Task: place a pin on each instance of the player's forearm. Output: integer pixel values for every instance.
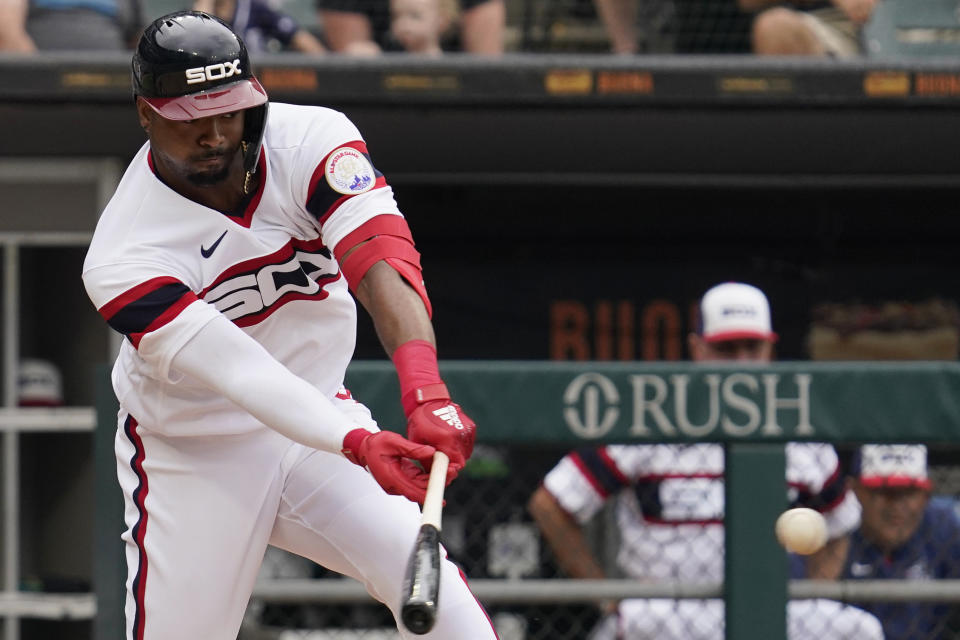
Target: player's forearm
(398, 313)
(827, 564)
(564, 536)
(225, 359)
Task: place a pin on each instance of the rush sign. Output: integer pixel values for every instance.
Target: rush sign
(735, 404)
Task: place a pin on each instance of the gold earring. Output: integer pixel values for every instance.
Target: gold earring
(246, 178)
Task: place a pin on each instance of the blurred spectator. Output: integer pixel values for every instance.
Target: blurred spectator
(262, 26)
(904, 535)
(619, 17)
(669, 502)
(31, 25)
(809, 28)
(39, 384)
(926, 329)
(418, 25)
(362, 27)
(674, 26)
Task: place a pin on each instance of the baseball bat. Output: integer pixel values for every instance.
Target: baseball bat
(421, 582)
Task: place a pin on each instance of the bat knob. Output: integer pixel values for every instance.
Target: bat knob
(418, 618)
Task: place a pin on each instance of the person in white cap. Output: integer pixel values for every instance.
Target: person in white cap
(39, 384)
(669, 504)
(734, 325)
(905, 534)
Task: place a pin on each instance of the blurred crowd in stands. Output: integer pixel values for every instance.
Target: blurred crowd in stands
(481, 27)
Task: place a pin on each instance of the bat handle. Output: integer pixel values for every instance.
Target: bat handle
(433, 502)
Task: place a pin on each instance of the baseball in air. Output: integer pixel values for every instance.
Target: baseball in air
(801, 530)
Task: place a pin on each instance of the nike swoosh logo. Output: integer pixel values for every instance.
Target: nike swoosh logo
(206, 253)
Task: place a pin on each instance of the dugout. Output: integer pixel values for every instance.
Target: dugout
(568, 207)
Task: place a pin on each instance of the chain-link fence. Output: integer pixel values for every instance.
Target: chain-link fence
(488, 530)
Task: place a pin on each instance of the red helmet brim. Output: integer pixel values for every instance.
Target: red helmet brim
(235, 96)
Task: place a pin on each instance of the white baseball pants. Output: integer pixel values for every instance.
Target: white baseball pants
(200, 512)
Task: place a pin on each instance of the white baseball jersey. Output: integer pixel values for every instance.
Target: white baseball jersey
(161, 266)
(670, 501)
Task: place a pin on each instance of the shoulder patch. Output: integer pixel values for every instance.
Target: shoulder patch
(349, 172)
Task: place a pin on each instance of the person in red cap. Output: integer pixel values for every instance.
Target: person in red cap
(894, 490)
(905, 534)
(734, 325)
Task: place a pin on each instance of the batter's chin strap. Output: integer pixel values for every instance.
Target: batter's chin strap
(385, 237)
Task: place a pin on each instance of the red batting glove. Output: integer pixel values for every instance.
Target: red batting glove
(438, 421)
(432, 418)
(387, 456)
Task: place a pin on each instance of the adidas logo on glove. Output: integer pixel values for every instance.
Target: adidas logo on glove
(449, 415)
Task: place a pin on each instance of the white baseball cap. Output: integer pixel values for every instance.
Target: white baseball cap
(893, 465)
(39, 384)
(734, 311)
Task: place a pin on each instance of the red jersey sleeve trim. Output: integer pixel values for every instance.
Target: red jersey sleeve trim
(172, 312)
(139, 291)
(147, 307)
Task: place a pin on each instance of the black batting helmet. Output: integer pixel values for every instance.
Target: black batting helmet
(189, 65)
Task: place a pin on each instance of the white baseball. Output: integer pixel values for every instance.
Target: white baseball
(801, 530)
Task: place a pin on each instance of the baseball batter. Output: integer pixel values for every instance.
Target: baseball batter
(670, 504)
(226, 258)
